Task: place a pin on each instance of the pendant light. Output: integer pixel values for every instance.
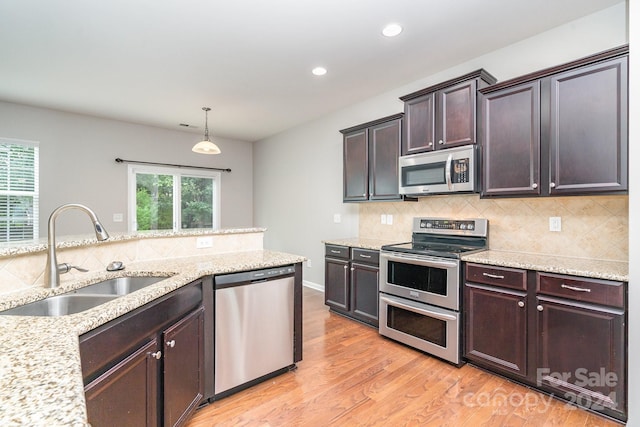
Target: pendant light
(206, 146)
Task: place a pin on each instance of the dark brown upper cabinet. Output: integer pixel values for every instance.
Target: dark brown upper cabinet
(559, 131)
(370, 160)
(444, 115)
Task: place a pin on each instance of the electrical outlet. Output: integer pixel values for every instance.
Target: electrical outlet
(555, 223)
(118, 217)
(204, 242)
(383, 219)
(309, 263)
(337, 218)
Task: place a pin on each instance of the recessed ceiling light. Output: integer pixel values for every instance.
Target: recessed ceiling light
(319, 71)
(392, 30)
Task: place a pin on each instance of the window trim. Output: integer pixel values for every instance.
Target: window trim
(36, 184)
(177, 173)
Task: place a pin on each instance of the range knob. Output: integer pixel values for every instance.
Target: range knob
(471, 226)
(463, 226)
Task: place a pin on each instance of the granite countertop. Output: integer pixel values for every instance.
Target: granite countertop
(597, 269)
(356, 242)
(40, 371)
(40, 245)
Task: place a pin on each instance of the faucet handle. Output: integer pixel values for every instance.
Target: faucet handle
(65, 268)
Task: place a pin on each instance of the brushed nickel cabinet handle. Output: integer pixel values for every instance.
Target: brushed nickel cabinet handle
(575, 288)
(157, 355)
(520, 303)
(171, 343)
(493, 276)
(540, 308)
(535, 185)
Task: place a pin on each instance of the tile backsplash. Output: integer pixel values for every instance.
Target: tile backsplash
(592, 226)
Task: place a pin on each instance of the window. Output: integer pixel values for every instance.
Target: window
(19, 190)
(170, 199)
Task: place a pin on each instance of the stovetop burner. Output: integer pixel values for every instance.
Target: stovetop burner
(444, 237)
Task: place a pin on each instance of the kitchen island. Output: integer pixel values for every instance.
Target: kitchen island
(40, 368)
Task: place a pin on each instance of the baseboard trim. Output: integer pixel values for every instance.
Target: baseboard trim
(313, 285)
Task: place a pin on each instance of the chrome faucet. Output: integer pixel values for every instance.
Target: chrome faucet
(53, 269)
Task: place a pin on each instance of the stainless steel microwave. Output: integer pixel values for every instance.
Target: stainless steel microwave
(444, 171)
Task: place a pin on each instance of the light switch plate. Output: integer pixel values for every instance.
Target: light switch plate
(555, 223)
(389, 219)
(337, 218)
(118, 217)
(383, 219)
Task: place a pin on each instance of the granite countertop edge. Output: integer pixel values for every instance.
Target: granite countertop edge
(40, 371)
(584, 267)
(40, 245)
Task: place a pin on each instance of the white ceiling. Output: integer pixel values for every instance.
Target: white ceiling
(157, 62)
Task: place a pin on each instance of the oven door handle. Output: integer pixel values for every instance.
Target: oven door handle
(420, 261)
(395, 302)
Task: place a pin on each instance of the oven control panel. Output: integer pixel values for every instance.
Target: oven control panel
(445, 224)
(475, 227)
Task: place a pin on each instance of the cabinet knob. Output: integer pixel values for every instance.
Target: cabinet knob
(353, 269)
(552, 184)
(441, 142)
(157, 355)
(535, 185)
(430, 144)
(520, 303)
(540, 308)
(345, 267)
(171, 343)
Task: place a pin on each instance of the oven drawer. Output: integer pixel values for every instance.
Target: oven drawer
(335, 251)
(605, 292)
(497, 276)
(365, 256)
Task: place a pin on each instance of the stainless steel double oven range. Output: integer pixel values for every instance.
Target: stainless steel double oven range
(420, 284)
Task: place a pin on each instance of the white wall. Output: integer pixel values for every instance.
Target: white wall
(634, 215)
(77, 164)
(298, 174)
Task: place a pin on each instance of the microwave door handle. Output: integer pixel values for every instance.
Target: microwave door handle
(394, 302)
(447, 171)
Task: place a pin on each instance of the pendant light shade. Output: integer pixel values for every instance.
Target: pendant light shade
(206, 146)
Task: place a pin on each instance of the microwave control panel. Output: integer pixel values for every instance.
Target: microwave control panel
(460, 171)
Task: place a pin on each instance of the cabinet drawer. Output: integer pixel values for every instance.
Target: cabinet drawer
(596, 291)
(335, 251)
(366, 256)
(498, 276)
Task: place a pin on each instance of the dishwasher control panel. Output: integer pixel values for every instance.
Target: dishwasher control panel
(254, 275)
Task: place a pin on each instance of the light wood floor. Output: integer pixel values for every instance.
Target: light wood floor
(351, 376)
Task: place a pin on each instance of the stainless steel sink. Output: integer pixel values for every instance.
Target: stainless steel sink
(60, 305)
(120, 285)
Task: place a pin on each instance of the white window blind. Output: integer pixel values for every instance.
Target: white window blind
(19, 190)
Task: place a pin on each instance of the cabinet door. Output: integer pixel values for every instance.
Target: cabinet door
(496, 328)
(588, 129)
(127, 394)
(419, 120)
(356, 169)
(384, 149)
(581, 353)
(336, 284)
(511, 141)
(456, 119)
(183, 368)
(364, 292)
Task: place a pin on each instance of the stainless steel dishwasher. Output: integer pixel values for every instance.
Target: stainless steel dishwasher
(253, 327)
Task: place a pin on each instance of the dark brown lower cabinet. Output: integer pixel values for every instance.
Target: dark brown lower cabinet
(351, 282)
(146, 368)
(565, 335)
(127, 394)
(497, 328)
(581, 354)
